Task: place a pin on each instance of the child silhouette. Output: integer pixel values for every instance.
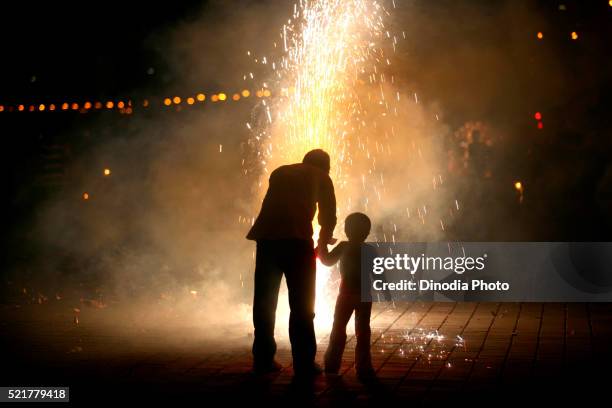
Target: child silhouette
(357, 227)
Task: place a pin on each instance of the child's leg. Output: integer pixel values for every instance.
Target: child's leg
(363, 357)
(337, 338)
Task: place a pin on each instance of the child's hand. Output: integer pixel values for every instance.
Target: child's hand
(331, 241)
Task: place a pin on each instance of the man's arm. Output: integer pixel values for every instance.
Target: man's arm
(327, 210)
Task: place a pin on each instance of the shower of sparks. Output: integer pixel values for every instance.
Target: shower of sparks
(331, 56)
(331, 89)
(332, 48)
(430, 345)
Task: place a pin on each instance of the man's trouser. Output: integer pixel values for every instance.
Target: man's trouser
(296, 259)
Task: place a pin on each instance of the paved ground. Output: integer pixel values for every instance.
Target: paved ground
(424, 353)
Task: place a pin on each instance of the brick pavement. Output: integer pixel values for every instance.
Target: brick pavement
(424, 354)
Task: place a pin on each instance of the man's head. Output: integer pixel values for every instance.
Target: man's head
(317, 158)
(357, 227)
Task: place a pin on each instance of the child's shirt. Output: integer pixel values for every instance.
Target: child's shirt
(349, 254)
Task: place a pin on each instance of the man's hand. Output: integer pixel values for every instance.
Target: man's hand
(324, 242)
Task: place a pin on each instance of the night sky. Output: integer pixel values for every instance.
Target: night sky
(66, 49)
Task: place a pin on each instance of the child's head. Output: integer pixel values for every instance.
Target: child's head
(357, 227)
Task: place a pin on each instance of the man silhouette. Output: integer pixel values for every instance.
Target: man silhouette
(283, 231)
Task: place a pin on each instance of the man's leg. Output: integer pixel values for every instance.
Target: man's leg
(363, 357)
(267, 283)
(337, 338)
(300, 273)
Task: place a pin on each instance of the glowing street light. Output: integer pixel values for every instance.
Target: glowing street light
(518, 186)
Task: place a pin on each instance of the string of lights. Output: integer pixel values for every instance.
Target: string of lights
(127, 106)
(574, 36)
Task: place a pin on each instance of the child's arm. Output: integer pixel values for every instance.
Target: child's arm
(330, 258)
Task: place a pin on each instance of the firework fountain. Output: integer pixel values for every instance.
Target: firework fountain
(332, 87)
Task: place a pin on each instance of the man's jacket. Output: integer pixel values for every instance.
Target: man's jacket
(290, 204)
